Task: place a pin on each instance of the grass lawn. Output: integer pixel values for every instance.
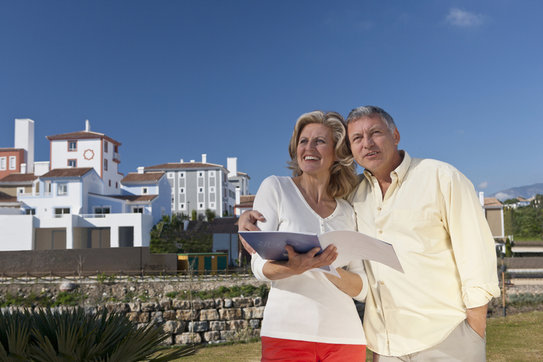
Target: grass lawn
(513, 338)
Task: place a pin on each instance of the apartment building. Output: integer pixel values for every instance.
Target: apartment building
(203, 186)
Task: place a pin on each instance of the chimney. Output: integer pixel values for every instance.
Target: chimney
(232, 166)
(192, 161)
(238, 195)
(204, 157)
(140, 169)
(87, 126)
(181, 161)
(24, 138)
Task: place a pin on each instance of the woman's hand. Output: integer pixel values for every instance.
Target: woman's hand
(298, 263)
(247, 222)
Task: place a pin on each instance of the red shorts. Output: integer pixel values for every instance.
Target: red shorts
(276, 349)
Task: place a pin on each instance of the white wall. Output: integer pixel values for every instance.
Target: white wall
(17, 232)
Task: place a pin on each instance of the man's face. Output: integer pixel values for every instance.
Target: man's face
(374, 146)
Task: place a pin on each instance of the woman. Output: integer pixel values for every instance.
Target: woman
(310, 315)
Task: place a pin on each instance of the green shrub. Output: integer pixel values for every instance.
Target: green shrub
(524, 299)
(245, 290)
(78, 336)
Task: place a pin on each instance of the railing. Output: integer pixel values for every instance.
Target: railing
(93, 215)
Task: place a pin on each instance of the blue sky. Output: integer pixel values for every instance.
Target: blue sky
(175, 79)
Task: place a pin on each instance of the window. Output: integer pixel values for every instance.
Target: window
(144, 190)
(30, 211)
(72, 162)
(72, 146)
(12, 162)
(201, 189)
(181, 190)
(20, 190)
(200, 174)
(181, 175)
(212, 189)
(59, 211)
(116, 185)
(170, 174)
(102, 210)
(137, 210)
(62, 189)
(105, 146)
(211, 205)
(105, 165)
(109, 183)
(182, 206)
(2, 163)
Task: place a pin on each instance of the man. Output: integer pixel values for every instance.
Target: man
(429, 211)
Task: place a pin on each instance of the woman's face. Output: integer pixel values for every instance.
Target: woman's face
(315, 151)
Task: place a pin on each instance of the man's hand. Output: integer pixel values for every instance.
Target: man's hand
(477, 319)
(247, 222)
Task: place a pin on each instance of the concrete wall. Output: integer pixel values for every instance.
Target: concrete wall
(89, 261)
(17, 232)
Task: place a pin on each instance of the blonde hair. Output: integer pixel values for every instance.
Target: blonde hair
(343, 178)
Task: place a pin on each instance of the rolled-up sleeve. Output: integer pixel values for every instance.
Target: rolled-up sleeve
(472, 242)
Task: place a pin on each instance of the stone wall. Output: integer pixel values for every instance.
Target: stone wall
(185, 320)
(198, 321)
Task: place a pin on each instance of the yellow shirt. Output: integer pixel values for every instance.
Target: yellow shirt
(435, 221)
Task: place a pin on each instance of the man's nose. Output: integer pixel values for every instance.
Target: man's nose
(368, 141)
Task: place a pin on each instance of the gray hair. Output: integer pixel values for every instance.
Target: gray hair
(369, 111)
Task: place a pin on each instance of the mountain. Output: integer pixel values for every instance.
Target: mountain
(522, 191)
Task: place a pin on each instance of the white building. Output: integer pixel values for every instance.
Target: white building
(88, 149)
(204, 186)
(70, 211)
(83, 201)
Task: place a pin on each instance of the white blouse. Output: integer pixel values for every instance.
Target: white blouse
(306, 307)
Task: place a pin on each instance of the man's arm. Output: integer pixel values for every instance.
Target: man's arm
(247, 222)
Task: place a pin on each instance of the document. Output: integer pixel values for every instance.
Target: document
(351, 245)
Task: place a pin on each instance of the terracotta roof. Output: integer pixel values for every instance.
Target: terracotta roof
(492, 202)
(243, 174)
(245, 201)
(11, 149)
(68, 172)
(135, 198)
(19, 178)
(140, 178)
(7, 198)
(81, 135)
(184, 165)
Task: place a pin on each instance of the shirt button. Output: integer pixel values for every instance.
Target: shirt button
(379, 209)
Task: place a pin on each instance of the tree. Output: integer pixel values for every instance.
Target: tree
(210, 215)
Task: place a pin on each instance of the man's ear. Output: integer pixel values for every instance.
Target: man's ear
(396, 135)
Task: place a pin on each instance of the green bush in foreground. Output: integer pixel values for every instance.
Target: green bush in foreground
(74, 335)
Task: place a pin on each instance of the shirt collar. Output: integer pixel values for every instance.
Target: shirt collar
(399, 172)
